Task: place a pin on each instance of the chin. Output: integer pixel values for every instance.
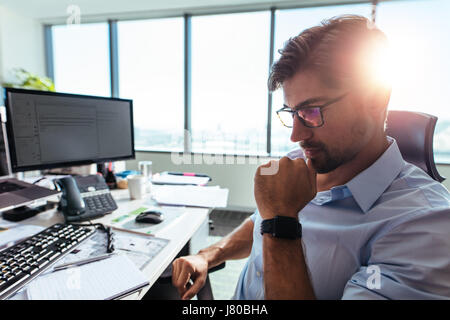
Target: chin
(324, 165)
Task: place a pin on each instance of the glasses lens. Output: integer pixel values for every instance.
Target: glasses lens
(311, 116)
(286, 118)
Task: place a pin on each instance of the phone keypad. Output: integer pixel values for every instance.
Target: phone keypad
(100, 203)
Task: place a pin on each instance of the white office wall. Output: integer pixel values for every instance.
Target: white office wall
(21, 44)
(238, 178)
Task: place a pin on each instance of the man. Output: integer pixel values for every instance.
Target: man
(373, 225)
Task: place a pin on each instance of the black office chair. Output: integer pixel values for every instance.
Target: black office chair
(414, 134)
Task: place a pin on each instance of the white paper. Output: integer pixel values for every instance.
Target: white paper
(127, 222)
(138, 248)
(100, 280)
(209, 197)
(14, 233)
(174, 179)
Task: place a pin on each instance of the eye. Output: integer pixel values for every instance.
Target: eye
(309, 113)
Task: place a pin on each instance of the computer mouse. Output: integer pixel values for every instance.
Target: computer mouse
(151, 216)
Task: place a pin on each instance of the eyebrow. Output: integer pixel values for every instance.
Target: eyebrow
(307, 102)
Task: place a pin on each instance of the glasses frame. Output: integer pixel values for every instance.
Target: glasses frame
(109, 234)
(303, 121)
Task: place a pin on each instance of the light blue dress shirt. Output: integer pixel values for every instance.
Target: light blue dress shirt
(383, 235)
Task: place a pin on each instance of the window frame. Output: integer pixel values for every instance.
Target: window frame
(114, 63)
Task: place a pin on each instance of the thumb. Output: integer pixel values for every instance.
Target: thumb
(193, 290)
(312, 173)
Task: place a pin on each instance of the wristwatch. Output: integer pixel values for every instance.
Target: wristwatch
(282, 227)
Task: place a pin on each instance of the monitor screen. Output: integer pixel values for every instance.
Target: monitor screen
(51, 130)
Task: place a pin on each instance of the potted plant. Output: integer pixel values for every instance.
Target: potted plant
(28, 80)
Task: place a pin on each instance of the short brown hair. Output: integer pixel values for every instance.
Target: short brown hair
(332, 48)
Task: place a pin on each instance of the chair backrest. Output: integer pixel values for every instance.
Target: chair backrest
(414, 134)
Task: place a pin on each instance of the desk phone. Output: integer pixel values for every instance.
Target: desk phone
(85, 198)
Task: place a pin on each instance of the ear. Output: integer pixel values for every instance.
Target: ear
(375, 101)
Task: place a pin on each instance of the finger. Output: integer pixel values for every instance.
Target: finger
(284, 159)
(193, 290)
(312, 173)
(299, 162)
(177, 268)
(182, 288)
(183, 278)
(174, 271)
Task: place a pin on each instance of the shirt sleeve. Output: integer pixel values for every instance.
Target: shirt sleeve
(253, 216)
(411, 261)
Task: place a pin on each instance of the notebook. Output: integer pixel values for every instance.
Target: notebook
(102, 280)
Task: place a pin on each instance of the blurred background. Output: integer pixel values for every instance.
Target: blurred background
(203, 65)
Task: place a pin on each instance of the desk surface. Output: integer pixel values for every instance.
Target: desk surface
(179, 232)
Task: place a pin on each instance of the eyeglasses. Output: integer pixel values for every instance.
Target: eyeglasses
(109, 237)
(310, 116)
(107, 230)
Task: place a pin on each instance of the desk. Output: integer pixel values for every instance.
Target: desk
(179, 233)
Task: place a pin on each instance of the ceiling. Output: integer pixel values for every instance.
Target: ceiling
(51, 11)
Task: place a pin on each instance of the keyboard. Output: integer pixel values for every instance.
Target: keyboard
(24, 261)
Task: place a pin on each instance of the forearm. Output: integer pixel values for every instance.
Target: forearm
(285, 272)
(236, 245)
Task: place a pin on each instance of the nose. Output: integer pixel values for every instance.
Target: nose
(300, 132)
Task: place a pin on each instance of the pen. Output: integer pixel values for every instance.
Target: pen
(189, 174)
(82, 262)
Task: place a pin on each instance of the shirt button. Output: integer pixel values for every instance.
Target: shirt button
(258, 274)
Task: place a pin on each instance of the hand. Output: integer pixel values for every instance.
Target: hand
(284, 187)
(184, 269)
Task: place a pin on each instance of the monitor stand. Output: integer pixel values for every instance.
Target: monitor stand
(25, 212)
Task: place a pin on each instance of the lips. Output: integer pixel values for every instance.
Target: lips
(311, 152)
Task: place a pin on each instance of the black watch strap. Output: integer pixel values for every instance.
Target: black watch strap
(282, 227)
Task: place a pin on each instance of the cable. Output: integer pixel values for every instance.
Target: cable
(40, 179)
(107, 230)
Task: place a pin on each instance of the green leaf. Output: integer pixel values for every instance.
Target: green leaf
(27, 80)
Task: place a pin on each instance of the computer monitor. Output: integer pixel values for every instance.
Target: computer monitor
(5, 170)
(52, 130)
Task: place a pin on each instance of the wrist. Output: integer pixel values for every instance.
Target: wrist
(282, 227)
(266, 214)
(212, 256)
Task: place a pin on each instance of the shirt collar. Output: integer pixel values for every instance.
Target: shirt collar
(370, 184)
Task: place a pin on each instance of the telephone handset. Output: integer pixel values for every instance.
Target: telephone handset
(85, 198)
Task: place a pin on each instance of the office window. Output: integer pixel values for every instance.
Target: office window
(288, 24)
(418, 34)
(81, 59)
(230, 63)
(151, 72)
